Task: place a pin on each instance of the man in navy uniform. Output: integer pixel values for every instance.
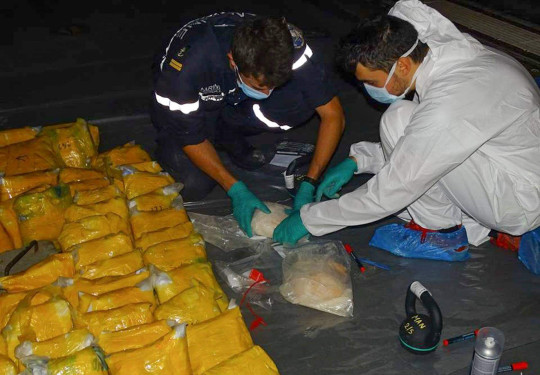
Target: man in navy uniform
(229, 75)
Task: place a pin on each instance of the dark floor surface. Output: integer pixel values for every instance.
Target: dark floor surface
(103, 75)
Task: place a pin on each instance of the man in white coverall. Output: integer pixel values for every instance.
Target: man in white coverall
(465, 151)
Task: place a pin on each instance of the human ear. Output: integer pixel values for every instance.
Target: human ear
(403, 67)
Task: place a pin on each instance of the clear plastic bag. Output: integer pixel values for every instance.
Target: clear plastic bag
(317, 275)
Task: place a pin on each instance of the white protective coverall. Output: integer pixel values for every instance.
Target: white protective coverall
(467, 150)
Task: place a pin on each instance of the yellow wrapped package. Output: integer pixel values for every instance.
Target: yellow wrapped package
(41, 215)
(102, 285)
(30, 156)
(8, 219)
(138, 183)
(173, 233)
(172, 254)
(89, 361)
(193, 305)
(216, 340)
(126, 154)
(134, 337)
(4, 153)
(141, 293)
(117, 266)
(11, 136)
(12, 186)
(253, 361)
(7, 367)
(73, 144)
(91, 228)
(116, 206)
(8, 304)
(158, 199)
(116, 319)
(3, 346)
(94, 130)
(40, 274)
(100, 249)
(59, 346)
(68, 175)
(144, 222)
(147, 166)
(167, 356)
(86, 197)
(5, 241)
(96, 183)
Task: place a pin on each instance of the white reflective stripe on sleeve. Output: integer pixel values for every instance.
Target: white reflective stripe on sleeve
(303, 59)
(173, 106)
(268, 122)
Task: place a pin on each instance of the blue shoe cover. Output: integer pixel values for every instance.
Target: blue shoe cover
(406, 242)
(529, 250)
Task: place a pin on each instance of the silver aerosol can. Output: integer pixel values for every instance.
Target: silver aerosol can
(487, 351)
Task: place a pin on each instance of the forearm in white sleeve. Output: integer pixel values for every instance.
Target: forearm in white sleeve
(369, 157)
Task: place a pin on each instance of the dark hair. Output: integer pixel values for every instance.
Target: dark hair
(377, 44)
(263, 48)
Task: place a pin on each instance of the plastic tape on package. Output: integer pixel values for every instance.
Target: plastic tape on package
(12, 186)
(89, 361)
(7, 367)
(116, 206)
(216, 340)
(97, 183)
(169, 284)
(253, 361)
(167, 356)
(30, 156)
(8, 220)
(173, 233)
(99, 286)
(11, 136)
(317, 275)
(126, 154)
(100, 249)
(116, 319)
(73, 143)
(117, 266)
(8, 304)
(86, 197)
(40, 274)
(134, 337)
(172, 254)
(138, 183)
(144, 222)
(68, 175)
(157, 200)
(56, 347)
(141, 293)
(193, 305)
(91, 228)
(41, 215)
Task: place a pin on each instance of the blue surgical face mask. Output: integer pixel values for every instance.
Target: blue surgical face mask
(382, 95)
(250, 91)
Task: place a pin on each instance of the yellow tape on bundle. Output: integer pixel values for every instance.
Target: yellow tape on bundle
(8, 304)
(117, 266)
(127, 154)
(157, 200)
(173, 233)
(141, 293)
(41, 215)
(169, 284)
(97, 183)
(172, 254)
(167, 356)
(89, 361)
(31, 156)
(193, 305)
(91, 228)
(12, 186)
(253, 361)
(68, 175)
(139, 183)
(41, 274)
(134, 337)
(100, 249)
(116, 319)
(144, 222)
(216, 340)
(86, 197)
(116, 206)
(11, 136)
(7, 367)
(56, 347)
(8, 219)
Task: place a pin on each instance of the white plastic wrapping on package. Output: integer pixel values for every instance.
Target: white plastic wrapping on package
(264, 224)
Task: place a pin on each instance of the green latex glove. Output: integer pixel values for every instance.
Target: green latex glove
(335, 178)
(244, 204)
(290, 230)
(304, 195)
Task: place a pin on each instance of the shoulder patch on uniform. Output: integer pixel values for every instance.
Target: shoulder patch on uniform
(181, 53)
(297, 36)
(175, 65)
